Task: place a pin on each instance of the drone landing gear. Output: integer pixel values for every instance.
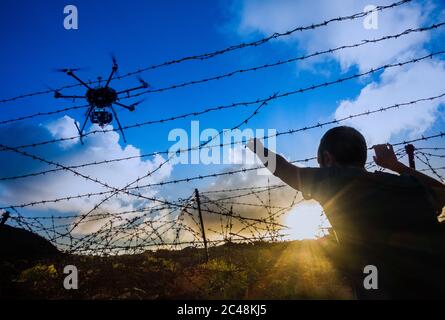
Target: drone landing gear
(101, 118)
(118, 123)
(90, 109)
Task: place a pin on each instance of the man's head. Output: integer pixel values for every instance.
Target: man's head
(342, 146)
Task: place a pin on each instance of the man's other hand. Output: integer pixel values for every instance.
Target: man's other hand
(386, 158)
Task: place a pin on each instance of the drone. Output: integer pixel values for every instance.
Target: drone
(101, 99)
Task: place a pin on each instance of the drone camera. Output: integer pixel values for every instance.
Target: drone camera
(101, 117)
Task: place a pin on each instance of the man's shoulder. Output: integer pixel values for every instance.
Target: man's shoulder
(362, 176)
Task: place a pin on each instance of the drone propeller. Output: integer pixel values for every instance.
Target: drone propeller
(51, 89)
(114, 69)
(138, 102)
(114, 60)
(144, 83)
(57, 93)
(130, 107)
(68, 70)
(133, 106)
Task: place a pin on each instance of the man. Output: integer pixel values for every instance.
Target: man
(385, 220)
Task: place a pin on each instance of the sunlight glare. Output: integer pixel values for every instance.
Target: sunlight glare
(305, 220)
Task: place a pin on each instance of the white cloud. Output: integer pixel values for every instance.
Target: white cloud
(422, 80)
(393, 86)
(272, 16)
(97, 147)
(64, 127)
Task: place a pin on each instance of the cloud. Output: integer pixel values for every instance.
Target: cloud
(422, 80)
(64, 127)
(269, 16)
(396, 85)
(97, 147)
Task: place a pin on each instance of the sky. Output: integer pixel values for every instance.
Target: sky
(144, 33)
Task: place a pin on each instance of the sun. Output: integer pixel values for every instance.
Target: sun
(305, 221)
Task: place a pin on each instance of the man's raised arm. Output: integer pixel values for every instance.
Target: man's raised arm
(284, 170)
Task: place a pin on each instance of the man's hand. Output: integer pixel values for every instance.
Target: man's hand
(276, 164)
(386, 158)
(255, 145)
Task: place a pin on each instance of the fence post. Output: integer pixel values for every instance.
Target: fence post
(409, 148)
(201, 221)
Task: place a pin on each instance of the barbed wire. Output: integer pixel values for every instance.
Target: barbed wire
(434, 155)
(105, 238)
(251, 224)
(257, 101)
(209, 211)
(232, 73)
(152, 210)
(199, 177)
(426, 162)
(292, 131)
(430, 148)
(213, 54)
(431, 169)
(108, 238)
(38, 114)
(161, 165)
(76, 173)
(172, 223)
(282, 62)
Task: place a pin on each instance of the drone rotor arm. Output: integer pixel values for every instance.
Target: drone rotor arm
(61, 96)
(132, 89)
(72, 74)
(118, 123)
(131, 107)
(113, 71)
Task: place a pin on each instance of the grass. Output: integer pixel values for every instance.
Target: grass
(283, 270)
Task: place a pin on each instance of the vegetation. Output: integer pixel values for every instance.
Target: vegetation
(283, 270)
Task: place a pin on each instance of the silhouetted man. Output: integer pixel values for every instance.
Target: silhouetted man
(385, 220)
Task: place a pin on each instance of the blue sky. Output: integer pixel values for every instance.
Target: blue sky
(142, 33)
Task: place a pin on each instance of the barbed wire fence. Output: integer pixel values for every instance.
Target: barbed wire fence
(206, 218)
